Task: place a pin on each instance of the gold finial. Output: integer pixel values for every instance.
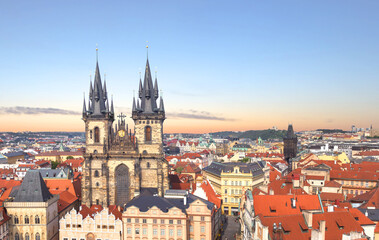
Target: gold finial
(147, 49)
(97, 52)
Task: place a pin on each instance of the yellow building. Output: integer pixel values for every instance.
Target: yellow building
(33, 210)
(231, 179)
(342, 157)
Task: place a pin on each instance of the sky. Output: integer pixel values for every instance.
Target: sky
(221, 65)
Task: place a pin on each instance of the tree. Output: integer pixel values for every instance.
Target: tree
(179, 170)
(54, 164)
(69, 157)
(244, 160)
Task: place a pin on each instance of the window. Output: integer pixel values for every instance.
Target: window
(137, 230)
(97, 202)
(26, 219)
(171, 232)
(27, 236)
(179, 221)
(171, 221)
(144, 231)
(240, 183)
(202, 218)
(65, 238)
(226, 191)
(148, 165)
(155, 231)
(137, 220)
(247, 183)
(226, 200)
(38, 237)
(97, 135)
(232, 191)
(16, 237)
(232, 200)
(90, 134)
(162, 221)
(128, 220)
(191, 228)
(68, 225)
(155, 221)
(129, 231)
(144, 220)
(148, 134)
(97, 184)
(15, 220)
(163, 232)
(225, 182)
(97, 173)
(37, 220)
(179, 232)
(202, 229)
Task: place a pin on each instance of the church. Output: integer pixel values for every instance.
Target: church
(121, 163)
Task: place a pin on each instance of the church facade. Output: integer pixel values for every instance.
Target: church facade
(120, 164)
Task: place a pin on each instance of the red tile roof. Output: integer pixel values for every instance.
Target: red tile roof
(276, 205)
(360, 217)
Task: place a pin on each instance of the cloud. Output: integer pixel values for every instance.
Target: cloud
(202, 115)
(35, 111)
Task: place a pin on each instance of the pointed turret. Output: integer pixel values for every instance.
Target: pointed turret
(90, 91)
(161, 105)
(84, 107)
(156, 93)
(290, 132)
(105, 91)
(134, 104)
(140, 89)
(112, 108)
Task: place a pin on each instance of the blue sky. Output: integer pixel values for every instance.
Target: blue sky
(251, 64)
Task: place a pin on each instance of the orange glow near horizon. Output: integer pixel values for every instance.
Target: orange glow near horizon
(73, 123)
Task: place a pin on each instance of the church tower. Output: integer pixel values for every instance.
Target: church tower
(119, 164)
(98, 118)
(148, 131)
(148, 117)
(290, 146)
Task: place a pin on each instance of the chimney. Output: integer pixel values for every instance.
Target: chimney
(293, 203)
(330, 208)
(322, 230)
(308, 218)
(271, 192)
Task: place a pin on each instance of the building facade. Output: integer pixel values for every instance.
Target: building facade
(230, 180)
(119, 163)
(33, 210)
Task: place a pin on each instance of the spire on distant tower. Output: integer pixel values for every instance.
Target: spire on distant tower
(112, 108)
(156, 91)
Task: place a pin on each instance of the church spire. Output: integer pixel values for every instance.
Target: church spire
(112, 108)
(156, 93)
(140, 88)
(161, 105)
(134, 104)
(84, 106)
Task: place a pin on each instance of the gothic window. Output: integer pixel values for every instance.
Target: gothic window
(15, 220)
(27, 236)
(148, 165)
(26, 220)
(16, 237)
(122, 184)
(96, 173)
(148, 134)
(97, 135)
(38, 237)
(37, 220)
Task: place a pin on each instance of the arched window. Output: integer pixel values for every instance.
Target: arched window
(96, 173)
(16, 237)
(26, 219)
(148, 165)
(37, 220)
(27, 236)
(97, 135)
(148, 134)
(38, 237)
(15, 219)
(97, 184)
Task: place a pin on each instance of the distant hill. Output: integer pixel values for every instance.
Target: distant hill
(331, 130)
(252, 134)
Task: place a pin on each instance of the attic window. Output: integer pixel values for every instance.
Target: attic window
(272, 209)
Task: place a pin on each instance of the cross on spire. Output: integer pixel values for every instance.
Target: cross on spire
(122, 116)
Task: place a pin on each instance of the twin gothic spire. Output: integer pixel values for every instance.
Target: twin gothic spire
(148, 95)
(98, 103)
